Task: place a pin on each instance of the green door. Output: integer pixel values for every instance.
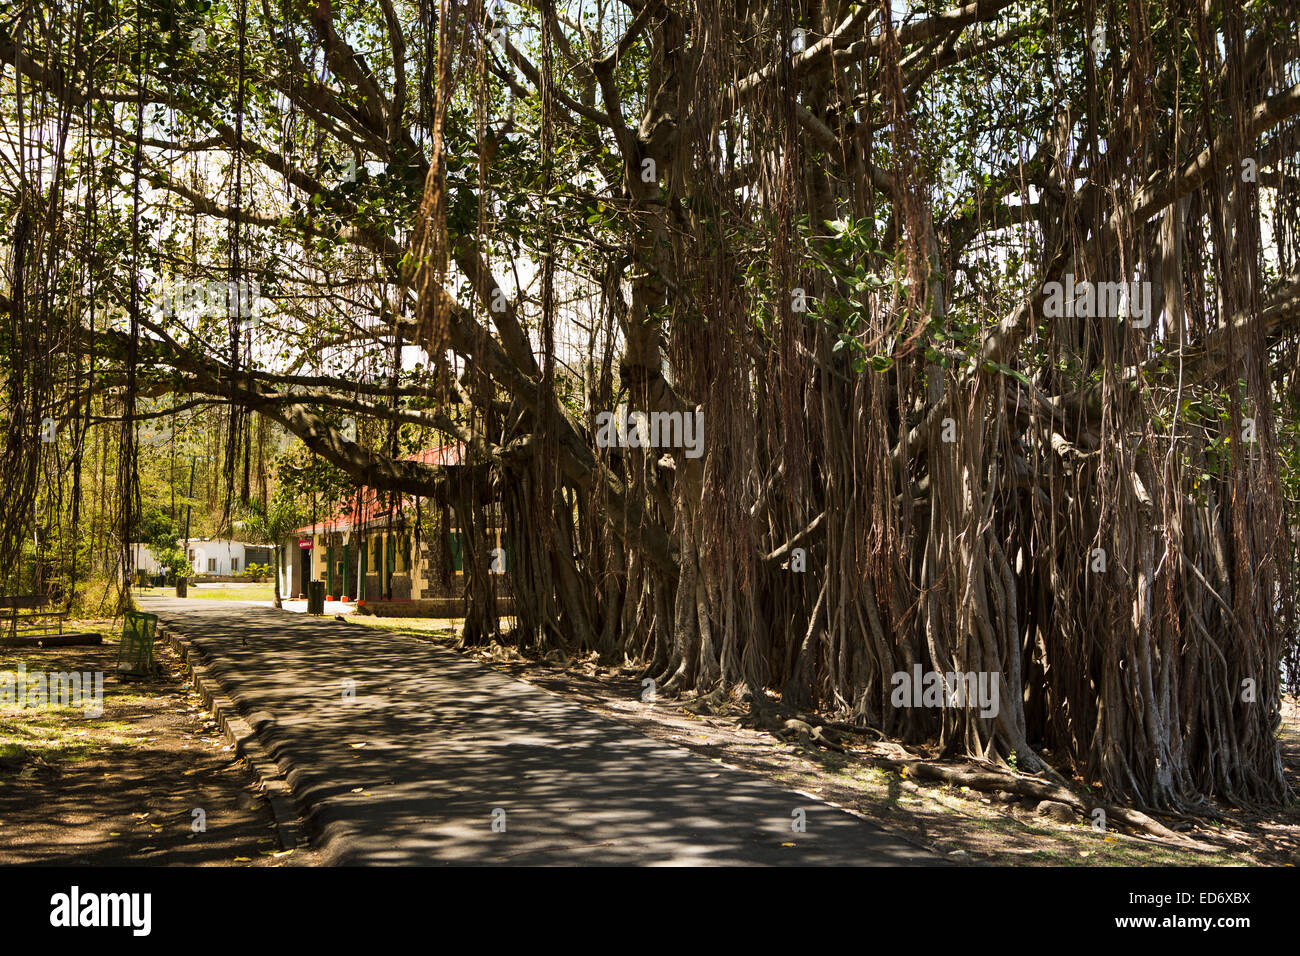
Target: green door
(457, 554)
(389, 562)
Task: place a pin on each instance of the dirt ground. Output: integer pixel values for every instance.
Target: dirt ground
(121, 789)
(967, 825)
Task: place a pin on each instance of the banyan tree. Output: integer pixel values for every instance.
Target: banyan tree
(987, 314)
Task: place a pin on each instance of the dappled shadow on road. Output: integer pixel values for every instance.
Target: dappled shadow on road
(406, 752)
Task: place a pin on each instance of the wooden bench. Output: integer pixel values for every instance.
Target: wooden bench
(40, 621)
(32, 625)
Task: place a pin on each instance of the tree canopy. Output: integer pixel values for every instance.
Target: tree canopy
(988, 312)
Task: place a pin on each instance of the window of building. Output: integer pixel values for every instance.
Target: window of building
(212, 564)
(234, 565)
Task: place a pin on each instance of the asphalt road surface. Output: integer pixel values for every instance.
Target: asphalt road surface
(404, 752)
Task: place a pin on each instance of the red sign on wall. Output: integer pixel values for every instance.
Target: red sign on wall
(304, 543)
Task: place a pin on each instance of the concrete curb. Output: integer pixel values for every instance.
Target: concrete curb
(241, 734)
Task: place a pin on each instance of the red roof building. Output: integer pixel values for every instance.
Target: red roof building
(367, 549)
(368, 508)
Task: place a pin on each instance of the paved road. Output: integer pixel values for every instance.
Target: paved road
(411, 770)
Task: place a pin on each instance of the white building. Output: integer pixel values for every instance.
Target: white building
(142, 559)
(223, 556)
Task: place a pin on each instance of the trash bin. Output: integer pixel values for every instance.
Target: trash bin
(182, 587)
(315, 597)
